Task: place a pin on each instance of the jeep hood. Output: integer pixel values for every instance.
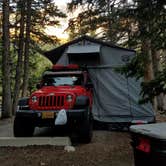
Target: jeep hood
(60, 89)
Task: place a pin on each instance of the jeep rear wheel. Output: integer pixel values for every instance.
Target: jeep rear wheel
(23, 128)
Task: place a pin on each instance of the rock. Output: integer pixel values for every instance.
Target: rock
(69, 148)
(42, 164)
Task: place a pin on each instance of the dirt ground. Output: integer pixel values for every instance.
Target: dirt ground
(108, 148)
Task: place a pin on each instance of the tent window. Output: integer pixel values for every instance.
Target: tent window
(87, 54)
(91, 59)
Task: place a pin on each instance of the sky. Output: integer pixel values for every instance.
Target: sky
(59, 31)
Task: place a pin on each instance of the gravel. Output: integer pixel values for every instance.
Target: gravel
(107, 148)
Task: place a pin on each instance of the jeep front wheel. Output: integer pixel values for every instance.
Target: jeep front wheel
(86, 131)
(23, 128)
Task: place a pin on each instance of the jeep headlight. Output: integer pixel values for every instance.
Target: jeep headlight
(69, 98)
(34, 99)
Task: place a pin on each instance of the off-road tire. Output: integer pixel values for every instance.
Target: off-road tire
(86, 130)
(23, 128)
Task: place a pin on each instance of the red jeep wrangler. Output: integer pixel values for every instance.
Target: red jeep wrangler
(62, 87)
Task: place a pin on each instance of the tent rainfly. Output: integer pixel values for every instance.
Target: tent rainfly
(115, 96)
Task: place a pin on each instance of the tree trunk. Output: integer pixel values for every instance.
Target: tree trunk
(156, 67)
(156, 61)
(148, 65)
(148, 72)
(164, 103)
(6, 96)
(19, 60)
(161, 99)
(26, 53)
(164, 96)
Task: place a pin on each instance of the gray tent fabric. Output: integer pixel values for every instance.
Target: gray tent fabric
(115, 97)
(114, 57)
(77, 49)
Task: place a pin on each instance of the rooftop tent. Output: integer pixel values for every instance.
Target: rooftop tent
(115, 96)
(84, 53)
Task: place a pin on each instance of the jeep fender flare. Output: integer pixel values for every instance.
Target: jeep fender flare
(82, 101)
(23, 101)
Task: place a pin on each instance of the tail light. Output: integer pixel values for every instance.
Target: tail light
(144, 145)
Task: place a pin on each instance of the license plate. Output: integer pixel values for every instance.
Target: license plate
(47, 115)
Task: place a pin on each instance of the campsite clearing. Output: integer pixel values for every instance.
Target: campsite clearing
(107, 148)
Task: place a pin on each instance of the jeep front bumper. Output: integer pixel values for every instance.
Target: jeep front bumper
(35, 116)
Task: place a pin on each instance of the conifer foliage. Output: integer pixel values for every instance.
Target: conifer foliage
(24, 24)
(136, 24)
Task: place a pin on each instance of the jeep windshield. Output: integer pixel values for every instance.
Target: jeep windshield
(62, 80)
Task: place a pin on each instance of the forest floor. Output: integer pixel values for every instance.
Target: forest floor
(107, 148)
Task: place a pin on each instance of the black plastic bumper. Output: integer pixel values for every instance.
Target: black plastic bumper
(35, 116)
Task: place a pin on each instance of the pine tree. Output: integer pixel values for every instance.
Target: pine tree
(26, 51)
(21, 8)
(6, 96)
(32, 17)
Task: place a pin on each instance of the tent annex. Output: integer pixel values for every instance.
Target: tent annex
(115, 96)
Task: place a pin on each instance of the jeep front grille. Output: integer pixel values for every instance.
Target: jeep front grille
(51, 101)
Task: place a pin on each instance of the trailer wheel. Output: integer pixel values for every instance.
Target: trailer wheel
(22, 128)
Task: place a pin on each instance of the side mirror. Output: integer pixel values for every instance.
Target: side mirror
(38, 85)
